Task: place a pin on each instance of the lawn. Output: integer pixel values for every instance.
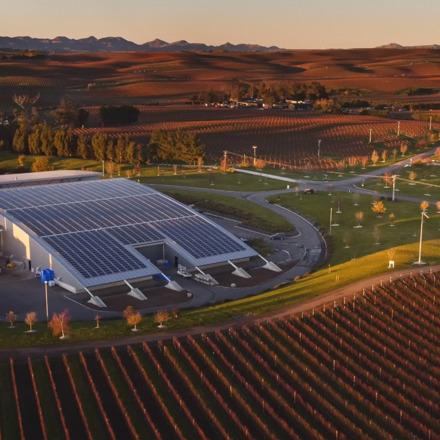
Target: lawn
(425, 182)
(377, 233)
(253, 216)
(215, 179)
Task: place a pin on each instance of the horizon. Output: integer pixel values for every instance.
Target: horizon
(285, 24)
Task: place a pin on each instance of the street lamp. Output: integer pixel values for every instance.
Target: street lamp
(371, 135)
(419, 261)
(255, 154)
(394, 187)
(47, 304)
(319, 147)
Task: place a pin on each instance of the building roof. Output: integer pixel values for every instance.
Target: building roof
(93, 228)
(44, 177)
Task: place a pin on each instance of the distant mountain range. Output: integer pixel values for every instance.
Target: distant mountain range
(399, 46)
(118, 44)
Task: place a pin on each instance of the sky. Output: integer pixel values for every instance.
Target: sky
(288, 24)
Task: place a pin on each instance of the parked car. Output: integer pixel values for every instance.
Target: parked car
(278, 236)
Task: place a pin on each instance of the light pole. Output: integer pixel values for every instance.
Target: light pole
(419, 261)
(255, 154)
(371, 135)
(47, 304)
(319, 147)
(430, 123)
(398, 128)
(331, 221)
(103, 167)
(394, 187)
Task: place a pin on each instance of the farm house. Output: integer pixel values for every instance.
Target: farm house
(101, 233)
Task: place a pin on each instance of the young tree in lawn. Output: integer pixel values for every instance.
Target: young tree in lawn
(21, 159)
(30, 320)
(364, 162)
(384, 155)
(391, 217)
(128, 311)
(424, 205)
(133, 320)
(11, 317)
(60, 324)
(394, 153)
(374, 157)
(160, 317)
(412, 176)
(387, 179)
(403, 149)
(359, 215)
(97, 319)
(378, 207)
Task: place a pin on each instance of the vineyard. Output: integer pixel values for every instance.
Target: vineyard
(363, 367)
(281, 136)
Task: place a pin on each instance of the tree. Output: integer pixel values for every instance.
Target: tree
(97, 319)
(424, 205)
(60, 324)
(391, 217)
(99, 145)
(11, 317)
(374, 157)
(30, 320)
(41, 164)
(66, 114)
(134, 319)
(378, 207)
(128, 311)
(384, 155)
(160, 317)
(403, 149)
(412, 176)
(83, 147)
(21, 159)
(359, 215)
(63, 142)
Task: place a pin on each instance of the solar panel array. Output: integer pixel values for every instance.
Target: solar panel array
(108, 257)
(198, 237)
(92, 225)
(136, 234)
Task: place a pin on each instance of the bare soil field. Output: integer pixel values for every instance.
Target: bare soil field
(166, 77)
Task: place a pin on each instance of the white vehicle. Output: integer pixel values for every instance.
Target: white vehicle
(204, 279)
(183, 273)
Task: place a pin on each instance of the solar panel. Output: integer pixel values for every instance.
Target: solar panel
(95, 253)
(135, 234)
(198, 237)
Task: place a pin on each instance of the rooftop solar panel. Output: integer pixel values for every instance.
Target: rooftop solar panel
(95, 253)
(198, 237)
(136, 234)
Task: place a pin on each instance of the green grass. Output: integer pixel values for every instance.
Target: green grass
(252, 215)
(362, 241)
(425, 185)
(215, 179)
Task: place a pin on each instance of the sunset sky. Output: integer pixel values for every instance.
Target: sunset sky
(290, 24)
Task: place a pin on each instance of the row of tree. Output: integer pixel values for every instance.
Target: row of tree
(268, 92)
(164, 146)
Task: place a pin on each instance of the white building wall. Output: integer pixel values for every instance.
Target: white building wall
(22, 247)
